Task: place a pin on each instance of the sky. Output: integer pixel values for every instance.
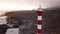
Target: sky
(27, 4)
(50, 3)
(18, 4)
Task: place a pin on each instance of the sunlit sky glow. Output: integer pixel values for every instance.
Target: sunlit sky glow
(27, 4)
(15, 7)
(18, 4)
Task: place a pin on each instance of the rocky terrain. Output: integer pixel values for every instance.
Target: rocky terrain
(25, 21)
(51, 21)
(51, 18)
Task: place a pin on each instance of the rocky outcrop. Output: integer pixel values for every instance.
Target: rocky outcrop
(26, 21)
(52, 21)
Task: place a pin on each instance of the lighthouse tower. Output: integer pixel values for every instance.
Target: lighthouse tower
(39, 19)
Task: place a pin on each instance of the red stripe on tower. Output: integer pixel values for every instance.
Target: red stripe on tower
(39, 13)
(39, 18)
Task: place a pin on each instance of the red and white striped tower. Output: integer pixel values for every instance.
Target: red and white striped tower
(39, 18)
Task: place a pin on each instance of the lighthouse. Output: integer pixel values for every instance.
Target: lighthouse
(39, 19)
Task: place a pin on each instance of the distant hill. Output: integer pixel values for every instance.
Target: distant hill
(51, 20)
(25, 14)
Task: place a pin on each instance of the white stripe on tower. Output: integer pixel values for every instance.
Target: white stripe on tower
(39, 26)
(39, 18)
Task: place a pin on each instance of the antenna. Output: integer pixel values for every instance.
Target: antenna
(39, 6)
